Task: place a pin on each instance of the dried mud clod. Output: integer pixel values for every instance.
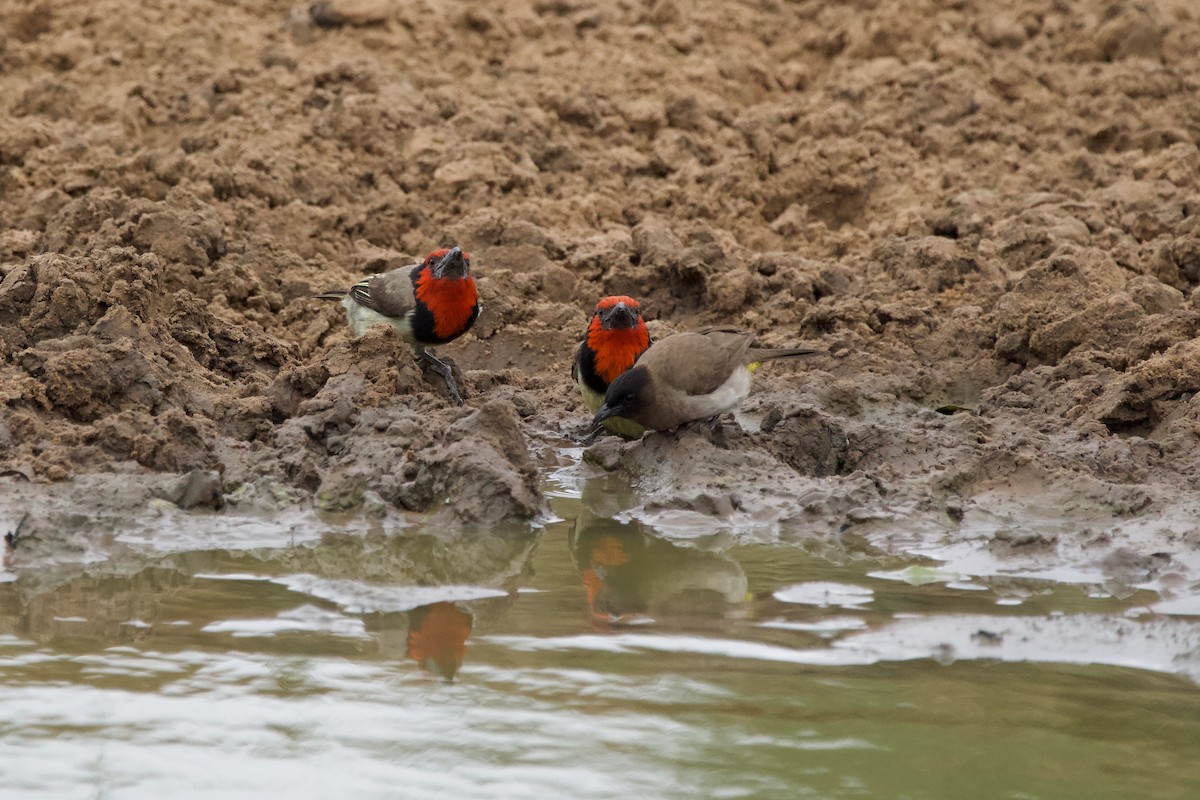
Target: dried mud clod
(478, 469)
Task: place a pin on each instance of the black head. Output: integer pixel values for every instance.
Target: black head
(626, 397)
(451, 263)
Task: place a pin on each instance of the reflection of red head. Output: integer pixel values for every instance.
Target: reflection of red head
(437, 638)
(609, 552)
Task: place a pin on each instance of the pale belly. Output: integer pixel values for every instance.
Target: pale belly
(360, 318)
(728, 396)
(688, 408)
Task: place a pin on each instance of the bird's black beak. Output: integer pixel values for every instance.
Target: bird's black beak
(619, 316)
(604, 413)
(453, 264)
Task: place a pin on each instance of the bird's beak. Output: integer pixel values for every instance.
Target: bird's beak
(619, 316)
(453, 264)
(604, 413)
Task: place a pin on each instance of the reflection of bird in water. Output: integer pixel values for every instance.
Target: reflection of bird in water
(381, 578)
(607, 603)
(437, 637)
(630, 574)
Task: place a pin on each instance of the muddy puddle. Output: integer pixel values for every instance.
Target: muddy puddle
(592, 656)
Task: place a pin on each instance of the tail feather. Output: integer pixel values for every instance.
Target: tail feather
(760, 354)
(755, 356)
(332, 295)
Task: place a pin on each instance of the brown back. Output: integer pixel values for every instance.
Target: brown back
(699, 362)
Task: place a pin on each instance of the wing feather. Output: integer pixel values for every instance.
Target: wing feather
(390, 293)
(700, 362)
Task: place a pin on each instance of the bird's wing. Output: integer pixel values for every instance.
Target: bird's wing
(752, 354)
(697, 363)
(390, 293)
(709, 329)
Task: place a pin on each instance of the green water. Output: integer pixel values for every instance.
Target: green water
(589, 658)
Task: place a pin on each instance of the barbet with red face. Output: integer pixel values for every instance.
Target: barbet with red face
(430, 303)
(615, 337)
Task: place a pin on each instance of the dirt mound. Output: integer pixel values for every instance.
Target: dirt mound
(991, 209)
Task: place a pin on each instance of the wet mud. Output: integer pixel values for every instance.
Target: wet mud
(991, 212)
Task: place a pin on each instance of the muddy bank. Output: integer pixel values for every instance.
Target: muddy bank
(990, 209)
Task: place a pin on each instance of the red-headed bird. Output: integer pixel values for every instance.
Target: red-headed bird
(428, 304)
(689, 376)
(615, 337)
(437, 637)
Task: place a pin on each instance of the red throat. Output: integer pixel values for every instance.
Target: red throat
(450, 300)
(616, 349)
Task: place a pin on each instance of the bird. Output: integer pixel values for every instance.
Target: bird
(689, 376)
(615, 337)
(437, 637)
(430, 303)
(631, 575)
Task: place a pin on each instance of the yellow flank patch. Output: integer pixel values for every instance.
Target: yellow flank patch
(624, 427)
(593, 400)
(754, 366)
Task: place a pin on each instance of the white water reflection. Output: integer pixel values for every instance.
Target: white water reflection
(170, 530)
(824, 626)
(304, 619)
(825, 593)
(358, 597)
(377, 733)
(1161, 645)
(1185, 605)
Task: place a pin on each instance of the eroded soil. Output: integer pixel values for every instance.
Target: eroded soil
(994, 209)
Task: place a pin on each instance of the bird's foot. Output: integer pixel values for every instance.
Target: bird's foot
(590, 435)
(713, 429)
(447, 374)
(716, 433)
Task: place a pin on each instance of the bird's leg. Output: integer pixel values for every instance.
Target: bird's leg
(14, 536)
(713, 427)
(443, 369)
(590, 436)
(717, 432)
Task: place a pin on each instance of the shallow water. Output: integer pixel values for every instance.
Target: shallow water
(589, 658)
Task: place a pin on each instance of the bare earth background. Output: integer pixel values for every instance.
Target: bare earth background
(992, 208)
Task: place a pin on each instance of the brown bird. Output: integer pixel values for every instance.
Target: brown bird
(428, 304)
(616, 336)
(689, 376)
